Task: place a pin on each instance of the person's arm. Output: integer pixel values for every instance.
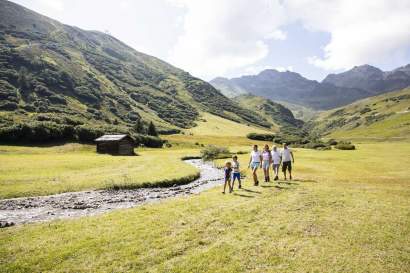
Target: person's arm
(293, 157)
(250, 160)
(260, 160)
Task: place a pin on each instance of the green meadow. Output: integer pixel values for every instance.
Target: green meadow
(345, 211)
(32, 171)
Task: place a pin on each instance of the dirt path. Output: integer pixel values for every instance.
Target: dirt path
(86, 203)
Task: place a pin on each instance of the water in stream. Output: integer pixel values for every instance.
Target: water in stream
(85, 203)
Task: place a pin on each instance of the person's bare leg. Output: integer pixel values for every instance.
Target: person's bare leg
(255, 177)
(290, 174)
(267, 174)
(224, 187)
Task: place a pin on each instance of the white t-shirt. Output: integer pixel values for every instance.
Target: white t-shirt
(235, 166)
(256, 156)
(265, 156)
(286, 156)
(276, 157)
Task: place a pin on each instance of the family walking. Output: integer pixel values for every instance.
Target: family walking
(263, 160)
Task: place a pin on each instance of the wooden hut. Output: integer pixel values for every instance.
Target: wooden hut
(115, 145)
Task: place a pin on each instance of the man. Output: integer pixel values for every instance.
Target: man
(276, 157)
(287, 159)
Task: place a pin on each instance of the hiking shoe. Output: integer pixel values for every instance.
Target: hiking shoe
(239, 187)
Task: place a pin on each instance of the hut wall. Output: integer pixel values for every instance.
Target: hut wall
(109, 147)
(125, 147)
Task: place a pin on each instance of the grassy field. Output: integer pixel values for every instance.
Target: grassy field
(26, 171)
(346, 211)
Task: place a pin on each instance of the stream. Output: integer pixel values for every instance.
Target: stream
(85, 203)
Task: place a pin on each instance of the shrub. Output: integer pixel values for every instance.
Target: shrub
(210, 152)
(345, 146)
(149, 141)
(332, 142)
(263, 137)
(315, 145)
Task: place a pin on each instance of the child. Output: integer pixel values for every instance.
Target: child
(228, 172)
(236, 173)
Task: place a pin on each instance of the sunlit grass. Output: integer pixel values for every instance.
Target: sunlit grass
(30, 171)
(210, 125)
(346, 211)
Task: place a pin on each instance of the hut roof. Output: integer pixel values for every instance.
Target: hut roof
(111, 138)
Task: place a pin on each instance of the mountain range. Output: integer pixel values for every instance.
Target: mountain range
(334, 91)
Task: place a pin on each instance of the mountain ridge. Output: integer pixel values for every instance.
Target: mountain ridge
(53, 72)
(334, 91)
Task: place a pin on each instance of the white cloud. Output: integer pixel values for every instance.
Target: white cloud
(361, 31)
(276, 35)
(53, 5)
(223, 35)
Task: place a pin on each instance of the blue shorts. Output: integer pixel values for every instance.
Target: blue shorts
(236, 176)
(265, 164)
(255, 165)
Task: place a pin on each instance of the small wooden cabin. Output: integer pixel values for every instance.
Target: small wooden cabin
(115, 145)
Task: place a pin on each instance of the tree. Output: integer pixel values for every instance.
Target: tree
(139, 127)
(152, 131)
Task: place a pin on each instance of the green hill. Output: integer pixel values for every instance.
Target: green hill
(376, 118)
(274, 112)
(59, 81)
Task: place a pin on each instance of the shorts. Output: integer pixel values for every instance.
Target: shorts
(255, 165)
(236, 176)
(275, 166)
(265, 164)
(286, 165)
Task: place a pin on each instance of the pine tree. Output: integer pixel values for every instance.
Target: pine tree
(152, 131)
(139, 127)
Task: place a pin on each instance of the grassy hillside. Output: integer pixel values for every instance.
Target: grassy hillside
(272, 111)
(211, 125)
(65, 82)
(342, 213)
(299, 111)
(382, 117)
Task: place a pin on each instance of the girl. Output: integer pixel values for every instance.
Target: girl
(228, 172)
(254, 163)
(267, 160)
(236, 172)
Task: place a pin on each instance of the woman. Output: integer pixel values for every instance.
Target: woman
(266, 161)
(254, 163)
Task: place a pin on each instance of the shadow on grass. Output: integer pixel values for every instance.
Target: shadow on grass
(247, 190)
(288, 182)
(305, 180)
(243, 195)
(276, 186)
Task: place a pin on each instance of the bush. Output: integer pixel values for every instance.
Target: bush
(345, 146)
(149, 141)
(210, 152)
(263, 137)
(332, 142)
(315, 145)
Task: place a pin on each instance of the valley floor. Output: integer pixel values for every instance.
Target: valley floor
(346, 211)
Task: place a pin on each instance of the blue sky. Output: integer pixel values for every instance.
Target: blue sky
(236, 37)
